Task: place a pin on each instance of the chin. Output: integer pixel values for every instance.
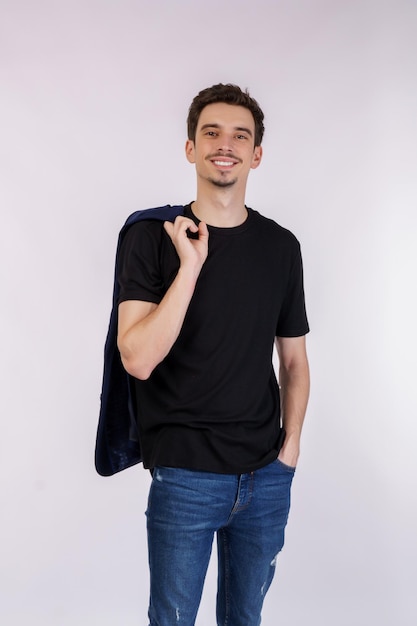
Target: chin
(223, 183)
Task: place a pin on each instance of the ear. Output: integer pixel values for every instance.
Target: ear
(190, 151)
(256, 157)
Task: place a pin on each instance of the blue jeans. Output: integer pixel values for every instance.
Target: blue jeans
(248, 512)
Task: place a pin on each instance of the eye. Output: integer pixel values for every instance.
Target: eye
(241, 137)
(211, 133)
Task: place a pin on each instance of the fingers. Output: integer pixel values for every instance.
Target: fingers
(189, 249)
(181, 225)
(169, 228)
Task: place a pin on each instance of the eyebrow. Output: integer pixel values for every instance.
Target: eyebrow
(239, 128)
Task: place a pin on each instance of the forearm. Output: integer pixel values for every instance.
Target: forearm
(294, 379)
(295, 388)
(147, 342)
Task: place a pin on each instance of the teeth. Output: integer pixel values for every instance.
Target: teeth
(223, 163)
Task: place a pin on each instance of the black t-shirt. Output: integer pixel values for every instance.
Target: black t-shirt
(213, 403)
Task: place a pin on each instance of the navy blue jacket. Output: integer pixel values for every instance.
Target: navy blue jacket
(117, 443)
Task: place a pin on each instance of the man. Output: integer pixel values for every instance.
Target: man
(202, 301)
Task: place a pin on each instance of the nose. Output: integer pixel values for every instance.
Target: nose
(225, 143)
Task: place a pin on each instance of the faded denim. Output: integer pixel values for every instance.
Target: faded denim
(186, 508)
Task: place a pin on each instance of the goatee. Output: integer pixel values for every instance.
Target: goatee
(222, 183)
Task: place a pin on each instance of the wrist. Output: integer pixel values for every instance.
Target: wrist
(289, 453)
(292, 436)
(189, 271)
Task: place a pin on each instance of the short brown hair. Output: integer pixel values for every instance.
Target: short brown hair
(229, 94)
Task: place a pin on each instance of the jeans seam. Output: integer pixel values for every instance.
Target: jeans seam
(226, 558)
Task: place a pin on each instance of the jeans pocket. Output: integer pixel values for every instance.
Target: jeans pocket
(287, 468)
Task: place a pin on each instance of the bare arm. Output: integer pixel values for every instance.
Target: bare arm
(294, 380)
(146, 331)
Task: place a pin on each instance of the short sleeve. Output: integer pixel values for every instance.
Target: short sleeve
(292, 321)
(138, 273)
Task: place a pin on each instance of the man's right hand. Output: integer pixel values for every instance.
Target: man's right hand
(192, 252)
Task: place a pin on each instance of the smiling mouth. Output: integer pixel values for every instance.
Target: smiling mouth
(220, 163)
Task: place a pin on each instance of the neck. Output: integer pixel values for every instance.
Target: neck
(220, 208)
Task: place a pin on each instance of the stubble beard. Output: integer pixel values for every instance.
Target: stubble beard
(222, 183)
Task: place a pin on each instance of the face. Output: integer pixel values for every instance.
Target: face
(224, 150)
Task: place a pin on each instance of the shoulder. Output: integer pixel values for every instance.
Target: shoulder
(148, 223)
(270, 229)
(141, 238)
(144, 227)
(159, 214)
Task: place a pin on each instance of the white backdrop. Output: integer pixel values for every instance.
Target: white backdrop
(94, 96)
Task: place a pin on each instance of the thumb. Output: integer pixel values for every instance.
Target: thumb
(203, 231)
